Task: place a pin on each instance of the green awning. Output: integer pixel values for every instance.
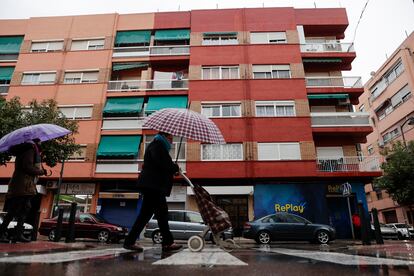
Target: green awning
(6, 73)
(132, 37)
(10, 44)
(328, 96)
(124, 105)
(126, 66)
(323, 60)
(183, 34)
(126, 146)
(220, 33)
(157, 103)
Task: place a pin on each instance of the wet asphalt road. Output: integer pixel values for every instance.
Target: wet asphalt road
(277, 259)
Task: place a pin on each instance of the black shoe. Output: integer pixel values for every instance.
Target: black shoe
(171, 247)
(134, 247)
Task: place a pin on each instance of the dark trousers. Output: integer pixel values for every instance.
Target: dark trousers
(18, 208)
(151, 204)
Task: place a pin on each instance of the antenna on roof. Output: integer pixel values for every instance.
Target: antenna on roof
(386, 56)
(314, 3)
(262, 4)
(216, 5)
(178, 7)
(406, 33)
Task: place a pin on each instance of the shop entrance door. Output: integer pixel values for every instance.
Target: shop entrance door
(339, 215)
(237, 209)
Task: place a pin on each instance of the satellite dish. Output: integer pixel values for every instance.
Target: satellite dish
(372, 73)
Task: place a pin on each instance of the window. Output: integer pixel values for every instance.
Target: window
(295, 219)
(193, 217)
(394, 72)
(271, 71)
(370, 149)
(275, 109)
(39, 78)
(220, 39)
(226, 152)
(269, 37)
(78, 156)
(368, 196)
(81, 77)
(77, 112)
(391, 135)
(379, 194)
(401, 96)
(220, 72)
(92, 44)
(176, 216)
(362, 108)
(47, 46)
(174, 147)
(278, 151)
(221, 110)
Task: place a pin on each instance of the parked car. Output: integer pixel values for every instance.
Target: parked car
(86, 226)
(27, 232)
(286, 226)
(387, 232)
(404, 231)
(183, 224)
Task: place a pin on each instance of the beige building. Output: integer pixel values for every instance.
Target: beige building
(388, 99)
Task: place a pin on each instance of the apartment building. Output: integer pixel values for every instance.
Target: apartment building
(270, 78)
(388, 99)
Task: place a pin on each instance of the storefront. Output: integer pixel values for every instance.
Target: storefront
(318, 202)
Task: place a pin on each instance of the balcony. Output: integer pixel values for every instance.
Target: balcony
(349, 164)
(340, 119)
(341, 82)
(327, 47)
(144, 85)
(122, 123)
(4, 89)
(9, 57)
(143, 51)
(125, 165)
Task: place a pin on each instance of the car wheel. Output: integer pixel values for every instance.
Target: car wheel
(157, 237)
(103, 236)
(322, 237)
(263, 237)
(52, 235)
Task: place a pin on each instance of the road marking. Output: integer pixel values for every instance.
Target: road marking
(209, 256)
(337, 258)
(69, 256)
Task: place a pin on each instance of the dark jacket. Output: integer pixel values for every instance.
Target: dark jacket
(25, 171)
(158, 170)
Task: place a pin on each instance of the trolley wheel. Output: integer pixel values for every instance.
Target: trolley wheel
(228, 245)
(195, 243)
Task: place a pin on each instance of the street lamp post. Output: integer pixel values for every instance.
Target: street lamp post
(410, 122)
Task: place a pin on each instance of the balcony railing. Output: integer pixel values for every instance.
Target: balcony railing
(8, 57)
(142, 85)
(122, 123)
(125, 165)
(4, 89)
(344, 82)
(349, 164)
(327, 47)
(174, 50)
(339, 119)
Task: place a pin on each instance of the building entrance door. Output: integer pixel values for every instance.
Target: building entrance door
(237, 209)
(339, 215)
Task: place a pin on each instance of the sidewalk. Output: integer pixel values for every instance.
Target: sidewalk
(7, 249)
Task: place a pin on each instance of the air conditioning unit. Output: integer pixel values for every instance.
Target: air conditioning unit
(344, 101)
(381, 144)
(51, 185)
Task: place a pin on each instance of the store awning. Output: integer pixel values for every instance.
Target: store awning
(126, 66)
(126, 146)
(124, 105)
(225, 190)
(10, 44)
(220, 33)
(183, 34)
(328, 96)
(322, 60)
(157, 103)
(132, 37)
(6, 73)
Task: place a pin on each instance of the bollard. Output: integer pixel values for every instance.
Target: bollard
(365, 235)
(35, 226)
(70, 237)
(377, 227)
(58, 230)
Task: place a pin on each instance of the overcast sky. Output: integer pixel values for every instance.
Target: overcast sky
(382, 29)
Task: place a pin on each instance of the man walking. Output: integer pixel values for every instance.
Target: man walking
(155, 183)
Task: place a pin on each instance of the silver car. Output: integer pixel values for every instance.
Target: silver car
(183, 224)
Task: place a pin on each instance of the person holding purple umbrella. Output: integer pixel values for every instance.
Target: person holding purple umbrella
(22, 187)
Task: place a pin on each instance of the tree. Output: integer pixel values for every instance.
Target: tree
(398, 178)
(13, 116)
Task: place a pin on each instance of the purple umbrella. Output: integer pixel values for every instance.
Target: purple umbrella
(43, 132)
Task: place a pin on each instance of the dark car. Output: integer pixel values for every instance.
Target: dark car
(183, 224)
(27, 231)
(285, 226)
(86, 226)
